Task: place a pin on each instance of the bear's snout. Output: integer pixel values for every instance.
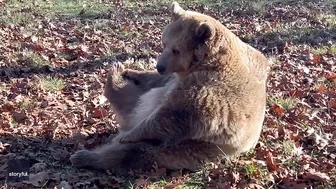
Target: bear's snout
(161, 69)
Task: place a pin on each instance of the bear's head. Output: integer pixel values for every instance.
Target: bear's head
(186, 41)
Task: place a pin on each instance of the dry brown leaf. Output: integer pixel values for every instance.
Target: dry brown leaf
(7, 107)
(271, 165)
(284, 133)
(321, 89)
(332, 104)
(19, 116)
(278, 110)
(316, 175)
(99, 112)
(315, 58)
(331, 76)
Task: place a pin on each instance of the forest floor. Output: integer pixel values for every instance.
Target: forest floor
(54, 56)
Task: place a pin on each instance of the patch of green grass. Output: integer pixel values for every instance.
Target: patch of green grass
(285, 103)
(329, 19)
(248, 154)
(215, 2)
(158, 184)
(34, 59)
(304, 126)
(74, 7)
(324, 81)
(3, 87)
(332, 49)
(148, 3)
(129, 183)
(17, 19)
(251, 170)
(320, 50)
(24, 104)
(52, 84)
(259, 6)
(273, 61)
(268, 143)
(292, 163)
(254, 171)
(288, 147)
(197, 180)
(13, 123)
(305, 34)
(101, 25)
(82, 8)
(324, 49)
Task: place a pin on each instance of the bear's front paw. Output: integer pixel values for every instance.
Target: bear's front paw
(84, 159)
(131, 75)
(117, 69)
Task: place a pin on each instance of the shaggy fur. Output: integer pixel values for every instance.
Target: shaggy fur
(207, 99)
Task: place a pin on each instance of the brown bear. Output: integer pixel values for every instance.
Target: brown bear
(206, 99)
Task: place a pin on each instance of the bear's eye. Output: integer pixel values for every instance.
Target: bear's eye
(176, 52)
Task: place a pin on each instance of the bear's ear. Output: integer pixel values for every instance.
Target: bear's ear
(205, 31)
(176, 11)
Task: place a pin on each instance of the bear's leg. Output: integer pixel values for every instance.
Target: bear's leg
(121, 93)
(118, 157)
(124, 87)
(189, 154)
(111, 156)
(115, 156)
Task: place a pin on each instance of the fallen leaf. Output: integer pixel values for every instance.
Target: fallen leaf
(99, 112)
(283, 133)
(315, 58)
(332, 104)
(38, 179)
(331, 76)
(317, 176)
(277, 109)
(19, 116)
(321, 89)
(271, 165)
(7, 107)
(37, 48)
(126, 27)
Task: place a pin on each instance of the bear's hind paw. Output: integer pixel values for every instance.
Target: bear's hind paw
(84, 159)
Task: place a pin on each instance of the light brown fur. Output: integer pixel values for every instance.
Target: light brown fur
(208, 100)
